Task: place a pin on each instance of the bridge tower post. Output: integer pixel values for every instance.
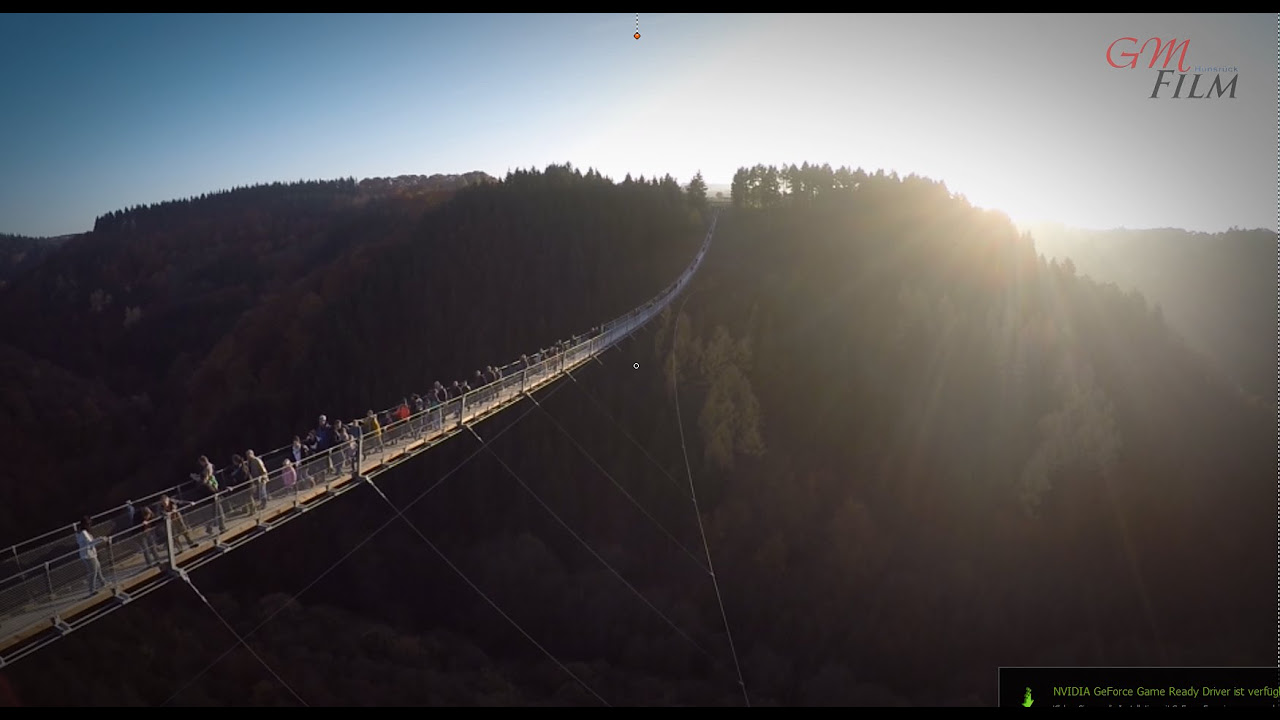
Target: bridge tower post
(168, 540)
(219, 498)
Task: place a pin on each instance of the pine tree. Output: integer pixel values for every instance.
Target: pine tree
(698, 191)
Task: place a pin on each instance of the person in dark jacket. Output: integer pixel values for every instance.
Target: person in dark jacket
(148, 536)
(170, 507)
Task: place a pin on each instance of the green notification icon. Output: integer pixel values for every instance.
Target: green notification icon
(1026, 699)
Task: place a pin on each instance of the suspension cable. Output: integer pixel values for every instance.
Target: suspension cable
(240, 640)
(597, 555)
(474, 454)
(618, 485)
(486, 597)
(693, 493)
(652, 459)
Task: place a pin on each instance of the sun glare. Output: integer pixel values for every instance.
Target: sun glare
(1025, 203)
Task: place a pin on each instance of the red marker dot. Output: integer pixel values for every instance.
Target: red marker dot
(637, 36)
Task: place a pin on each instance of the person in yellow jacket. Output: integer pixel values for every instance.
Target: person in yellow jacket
(373, 432)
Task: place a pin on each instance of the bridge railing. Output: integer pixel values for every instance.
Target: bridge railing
(35, 552)
(65, 578)
(48, 570)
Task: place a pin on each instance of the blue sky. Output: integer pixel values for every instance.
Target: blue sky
(1021, 113)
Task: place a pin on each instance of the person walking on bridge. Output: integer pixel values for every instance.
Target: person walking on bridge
(289, 475)
(324, 441)
(178, 526)
(147, 534)
(372, 432)
(89, 555)
(439, 396)
(239, 478)
(298, 453)
(258, 472)
(209, 481)
(418, 408)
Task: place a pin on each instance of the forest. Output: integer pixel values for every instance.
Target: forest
(920, 449)
(1216, 289)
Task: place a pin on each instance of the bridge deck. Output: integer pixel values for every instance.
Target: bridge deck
(130, 576)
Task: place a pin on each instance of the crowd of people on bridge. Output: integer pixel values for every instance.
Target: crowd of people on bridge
(328, 450)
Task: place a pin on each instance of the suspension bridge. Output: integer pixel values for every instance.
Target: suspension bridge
(48, 590)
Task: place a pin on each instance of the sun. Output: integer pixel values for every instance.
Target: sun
(1024, 202)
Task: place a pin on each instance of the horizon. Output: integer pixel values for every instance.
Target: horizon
(124, 110)
(1031, 226)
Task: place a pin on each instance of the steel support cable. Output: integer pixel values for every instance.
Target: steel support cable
(357, 546)
(240, 640)
(486, 597)
(652, 459)
(693, 493)
(622, 489)
(598, 556)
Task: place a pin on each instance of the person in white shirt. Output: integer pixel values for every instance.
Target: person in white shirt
(289, 475)
(89, 555)
(258, 472)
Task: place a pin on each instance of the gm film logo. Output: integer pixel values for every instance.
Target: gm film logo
(1125, 53)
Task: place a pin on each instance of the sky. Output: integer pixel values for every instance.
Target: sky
(1020, 113)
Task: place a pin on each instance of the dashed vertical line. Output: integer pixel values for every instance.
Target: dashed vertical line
(1278, 364)
(637, 35)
